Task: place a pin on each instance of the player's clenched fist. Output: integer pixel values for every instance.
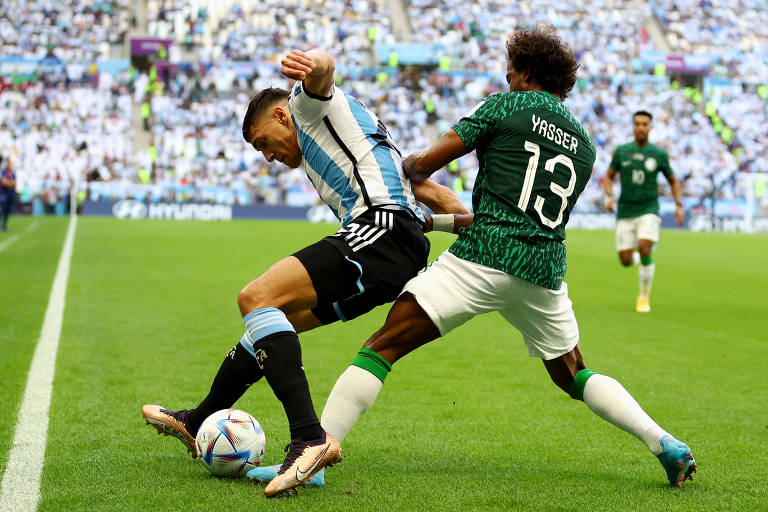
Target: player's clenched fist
(297, 65)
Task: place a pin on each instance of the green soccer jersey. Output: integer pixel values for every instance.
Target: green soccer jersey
(638, 169)
(535, 159)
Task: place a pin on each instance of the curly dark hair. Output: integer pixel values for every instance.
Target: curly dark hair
(259, 104)
(547, 58)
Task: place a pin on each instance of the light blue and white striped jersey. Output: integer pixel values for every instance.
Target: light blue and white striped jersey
(348, 154)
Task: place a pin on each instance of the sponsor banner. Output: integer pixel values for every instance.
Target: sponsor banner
(148, 46)
(411, 54)
(130, 209)
(700, 223)
(321, 213)
(264, 211)
(608, 221)
(695, 64)
(177, 211)
(592, 221)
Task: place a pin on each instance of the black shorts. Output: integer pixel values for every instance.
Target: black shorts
(365, 264)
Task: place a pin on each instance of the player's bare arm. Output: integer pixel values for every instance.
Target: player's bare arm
(450, 214)
(610, 201)
(677, 193)
(440, 199)
(315, 68)
(420, 166)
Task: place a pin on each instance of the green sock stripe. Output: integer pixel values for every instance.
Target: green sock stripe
(579, 381)
(369, 360)
(646, 260)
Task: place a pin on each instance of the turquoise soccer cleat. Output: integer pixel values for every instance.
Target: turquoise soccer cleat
(677, 460)
(265, 474)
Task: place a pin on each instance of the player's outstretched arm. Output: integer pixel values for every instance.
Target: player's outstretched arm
(448, 222)
(438, 198)
(420, 166)
(315, 68)
(451, 212)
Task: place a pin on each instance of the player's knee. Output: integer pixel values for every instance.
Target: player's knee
(251, 297)
(625, 260)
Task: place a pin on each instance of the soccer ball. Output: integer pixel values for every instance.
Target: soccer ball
(230, 443)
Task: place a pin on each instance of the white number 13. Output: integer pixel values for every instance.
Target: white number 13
(530, 175)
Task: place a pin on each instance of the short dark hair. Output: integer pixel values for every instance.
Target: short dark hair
(547, 58)
(260, 103)
(642, 113)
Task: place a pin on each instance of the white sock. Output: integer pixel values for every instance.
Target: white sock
(635, 258)
(645, 272)
(608, 399)
(354, 392)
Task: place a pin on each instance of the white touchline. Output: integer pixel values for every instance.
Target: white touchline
(20, 489)
(8, 242)
(31, 227)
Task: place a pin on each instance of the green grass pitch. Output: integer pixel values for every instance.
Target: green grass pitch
(468, 422)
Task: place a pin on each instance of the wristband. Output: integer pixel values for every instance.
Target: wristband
(443, 222)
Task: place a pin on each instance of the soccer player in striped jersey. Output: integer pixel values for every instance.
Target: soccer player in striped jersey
(357, 170)
(535, 159)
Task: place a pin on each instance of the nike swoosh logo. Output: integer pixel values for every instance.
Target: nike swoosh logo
(301, 475)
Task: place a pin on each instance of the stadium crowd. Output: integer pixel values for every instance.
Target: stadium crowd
(607, 36)
(260, 31)
(80, 125)
(55, 133)
(68, 30)
(733, 34)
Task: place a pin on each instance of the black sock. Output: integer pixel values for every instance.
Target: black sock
(280, 356)
(237, 372)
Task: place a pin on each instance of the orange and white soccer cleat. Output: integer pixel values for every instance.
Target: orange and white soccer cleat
(170, 423)
(303, 460)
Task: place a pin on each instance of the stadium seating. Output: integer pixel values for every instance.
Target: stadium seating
(71, 133)
(70, 30)
(260, 31)
(733, 34)
(197, 151)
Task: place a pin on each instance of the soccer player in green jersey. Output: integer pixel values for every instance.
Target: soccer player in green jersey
(637, 228)
(535, 159)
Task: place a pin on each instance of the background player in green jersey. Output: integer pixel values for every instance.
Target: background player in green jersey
(638, 164)
(535, 160)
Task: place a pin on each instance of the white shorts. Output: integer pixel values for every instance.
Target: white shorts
(632, 229)
(452, 290)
